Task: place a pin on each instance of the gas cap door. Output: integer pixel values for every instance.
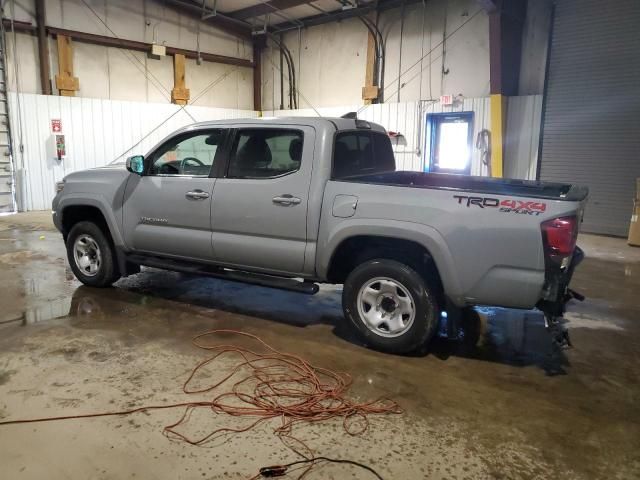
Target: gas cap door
(344, 206)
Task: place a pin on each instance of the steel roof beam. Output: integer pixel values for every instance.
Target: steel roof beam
(219, 20)
(342, 14)
(265, 8)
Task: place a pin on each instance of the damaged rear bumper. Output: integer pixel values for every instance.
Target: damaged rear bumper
(556, 292)
(556, 295)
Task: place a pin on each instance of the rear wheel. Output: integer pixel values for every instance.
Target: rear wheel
(91, 255)
(390, 305)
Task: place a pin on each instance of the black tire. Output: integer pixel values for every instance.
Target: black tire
(107, 272)
(425, 321)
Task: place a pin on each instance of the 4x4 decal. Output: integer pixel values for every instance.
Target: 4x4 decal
(505, 206)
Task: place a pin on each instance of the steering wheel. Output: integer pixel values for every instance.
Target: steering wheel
(186, 160)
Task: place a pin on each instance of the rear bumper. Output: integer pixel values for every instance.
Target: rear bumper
(556, 292)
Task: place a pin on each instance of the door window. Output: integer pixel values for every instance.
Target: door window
(190, 154)
(265, 153)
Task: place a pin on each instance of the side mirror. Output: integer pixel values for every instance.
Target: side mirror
(135, 164)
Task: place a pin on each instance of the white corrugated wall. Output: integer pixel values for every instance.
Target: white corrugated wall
(522, 137)
(409, 119)
(97, 132)
(481, 121)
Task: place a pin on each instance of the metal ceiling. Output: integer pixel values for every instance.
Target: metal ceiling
(244, 17)
(278, 11)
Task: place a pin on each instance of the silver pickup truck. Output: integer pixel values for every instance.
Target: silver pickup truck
(292, 202)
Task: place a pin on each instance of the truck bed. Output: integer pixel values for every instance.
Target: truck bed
(484, 185)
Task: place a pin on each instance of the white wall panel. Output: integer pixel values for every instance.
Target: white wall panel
(22, 54)
(481, 121)
(330, 59)
(96, 131)
(408, 118)
(120, 74)
(100, 131)
(522, 137)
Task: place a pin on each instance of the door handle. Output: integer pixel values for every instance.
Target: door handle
(286, 200)
(197, 195)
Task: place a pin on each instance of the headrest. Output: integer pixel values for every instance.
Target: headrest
(295, 149)
(342, 152)
(255, 152)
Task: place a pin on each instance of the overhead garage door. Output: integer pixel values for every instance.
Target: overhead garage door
(591, 126)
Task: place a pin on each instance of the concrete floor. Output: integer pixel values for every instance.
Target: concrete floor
(496, 406)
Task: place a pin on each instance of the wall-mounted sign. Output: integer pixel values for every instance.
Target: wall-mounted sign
(56, 125)
(446, 100)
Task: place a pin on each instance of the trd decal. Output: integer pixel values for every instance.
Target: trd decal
(505, 206)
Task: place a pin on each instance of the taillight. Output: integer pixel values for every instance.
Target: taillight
(559, 238)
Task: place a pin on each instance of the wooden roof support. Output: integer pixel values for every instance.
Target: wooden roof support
(105, 41)
(370, 90)
(180, 94)
(66, 83)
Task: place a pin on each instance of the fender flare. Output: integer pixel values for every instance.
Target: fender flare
(424, 235)
(99, 202)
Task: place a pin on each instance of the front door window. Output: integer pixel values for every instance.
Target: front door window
(191, 154)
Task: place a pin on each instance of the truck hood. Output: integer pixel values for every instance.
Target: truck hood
(107, 175)
(112, 166)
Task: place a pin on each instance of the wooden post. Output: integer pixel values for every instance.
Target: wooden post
(180, 94)
(66, 83)
(370, 90)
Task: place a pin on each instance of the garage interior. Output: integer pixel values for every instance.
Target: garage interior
(530, 90)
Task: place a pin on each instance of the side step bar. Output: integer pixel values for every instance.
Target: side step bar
(281, 283)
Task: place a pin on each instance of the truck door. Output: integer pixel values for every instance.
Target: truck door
(167, 211)
(259, 208)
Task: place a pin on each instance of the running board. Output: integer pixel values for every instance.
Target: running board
(281, 283)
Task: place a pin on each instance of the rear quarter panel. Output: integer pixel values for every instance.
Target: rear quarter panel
(485, 255)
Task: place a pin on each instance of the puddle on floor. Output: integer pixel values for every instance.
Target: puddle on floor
(594, 315)
(20, 257)
(52, 310)
(40, 287)
(508, 335)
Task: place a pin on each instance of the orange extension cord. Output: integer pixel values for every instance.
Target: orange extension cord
(267, 386)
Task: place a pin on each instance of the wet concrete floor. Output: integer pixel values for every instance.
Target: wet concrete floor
(497, 405)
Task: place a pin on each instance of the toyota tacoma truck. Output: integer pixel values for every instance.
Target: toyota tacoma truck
(293, 202)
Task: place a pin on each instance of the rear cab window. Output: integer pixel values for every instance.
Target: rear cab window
(361, 153)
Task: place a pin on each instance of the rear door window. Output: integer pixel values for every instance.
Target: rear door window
(265, 153)
(362, 153)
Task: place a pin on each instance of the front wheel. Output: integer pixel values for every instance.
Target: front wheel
(390, 305)
(91, 255)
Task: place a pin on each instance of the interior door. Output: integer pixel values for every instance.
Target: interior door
(167, 211)
(450, 142)
(259, 207)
